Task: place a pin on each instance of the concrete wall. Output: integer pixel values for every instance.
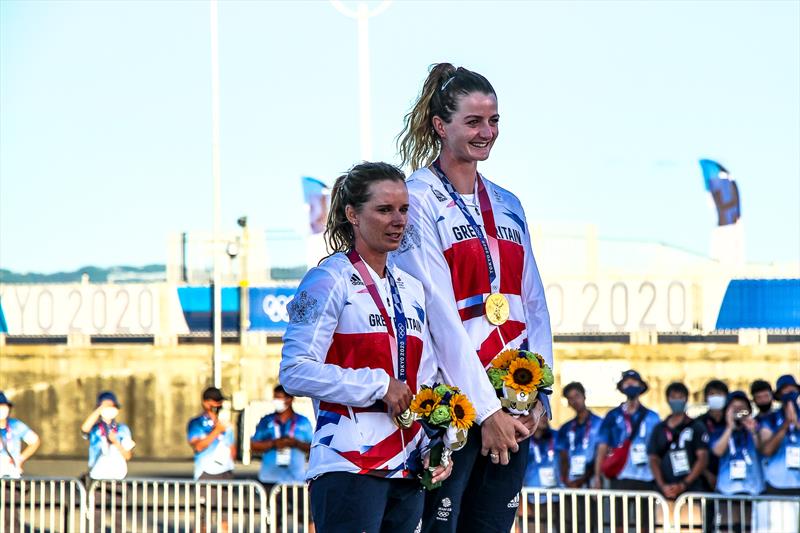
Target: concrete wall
(54, 387)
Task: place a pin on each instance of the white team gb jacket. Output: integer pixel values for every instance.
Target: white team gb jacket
(440, 248)
(336, 351)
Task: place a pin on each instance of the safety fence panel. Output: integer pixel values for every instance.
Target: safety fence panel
(717, 513)
(581, 510)
(177, 505)
(42, 504)
(290, 509)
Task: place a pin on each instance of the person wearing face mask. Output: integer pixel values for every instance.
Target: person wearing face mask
(715, 394)
(678, 448)
(740, 470)
(284, 438)
(761, 392)
(631, 420)
(110, 441)
(212, 439)
(780, 435)
(13, 433)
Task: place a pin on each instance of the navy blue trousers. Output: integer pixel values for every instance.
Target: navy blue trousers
(347, 503)
(479, 496)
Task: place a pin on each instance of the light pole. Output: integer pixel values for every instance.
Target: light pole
(216, 291)
(362, 15)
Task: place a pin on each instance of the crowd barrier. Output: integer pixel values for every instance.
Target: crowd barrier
(290, 509)
(182, 506)
(42, 504)
(580, 510)
(716, 513)
(176, 505)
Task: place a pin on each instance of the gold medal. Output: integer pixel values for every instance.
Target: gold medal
(497, 309)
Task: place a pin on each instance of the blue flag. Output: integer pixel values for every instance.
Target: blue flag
(314, 194)
(723, 191)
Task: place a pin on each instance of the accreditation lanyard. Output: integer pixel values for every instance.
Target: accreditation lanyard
(5, 434)
(277, 424)
(105, 428)
(537, 455)
(397, 343)
(587, 430)
(488, 240)
(734, 442)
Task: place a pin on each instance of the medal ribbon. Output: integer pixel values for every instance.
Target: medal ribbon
(488, 240)
(397, 343)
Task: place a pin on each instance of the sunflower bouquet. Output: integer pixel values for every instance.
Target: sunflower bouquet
(517, 376)
(445, 414)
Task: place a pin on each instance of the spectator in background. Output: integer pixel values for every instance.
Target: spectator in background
(212, 439)
(110, 442)
(13, 432)
(678, 448)
(576, 445)
(577, 440)
(284, 438)
(542, 472)
(739, 465)
(542, 469)
(761, 392)
(780, 437)
(715, 393)
(630, 420)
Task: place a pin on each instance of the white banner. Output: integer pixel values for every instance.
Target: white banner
(89, 309)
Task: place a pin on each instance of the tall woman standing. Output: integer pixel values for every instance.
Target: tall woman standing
(356, 345)
(468, 241)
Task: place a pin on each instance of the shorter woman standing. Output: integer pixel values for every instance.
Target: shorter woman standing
(356, 344)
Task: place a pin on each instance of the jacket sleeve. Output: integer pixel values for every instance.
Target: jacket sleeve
(313, 317)
(421, 256)
(537, 318)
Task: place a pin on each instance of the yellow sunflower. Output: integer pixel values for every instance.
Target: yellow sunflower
(504, 359)
(424, 402)
(523, 375)
(461, 411)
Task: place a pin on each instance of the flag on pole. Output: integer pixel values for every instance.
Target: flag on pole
(317, 196)
(723, 191)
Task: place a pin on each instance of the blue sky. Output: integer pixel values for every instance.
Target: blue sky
(105, 123)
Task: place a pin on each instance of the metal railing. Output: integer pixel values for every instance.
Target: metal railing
(184, 505)
(177, 505)
(580, 510)
(290, 509)
(718, 513)
(42, 504)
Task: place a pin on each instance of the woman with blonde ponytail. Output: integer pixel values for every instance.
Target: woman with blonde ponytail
(468, 242)
(356, 345)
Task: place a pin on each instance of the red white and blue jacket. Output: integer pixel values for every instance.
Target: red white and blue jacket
(336, 351)
(441, 250)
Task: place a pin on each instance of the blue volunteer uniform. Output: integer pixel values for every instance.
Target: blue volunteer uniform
(105, 460)
(579, 442)
(782, 469)
(542, 469)
(287, 465)
(12, 436)
(617, 426)
(216, 459)
(740, 467)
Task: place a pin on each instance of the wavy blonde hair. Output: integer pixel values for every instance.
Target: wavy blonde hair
(418, 143)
